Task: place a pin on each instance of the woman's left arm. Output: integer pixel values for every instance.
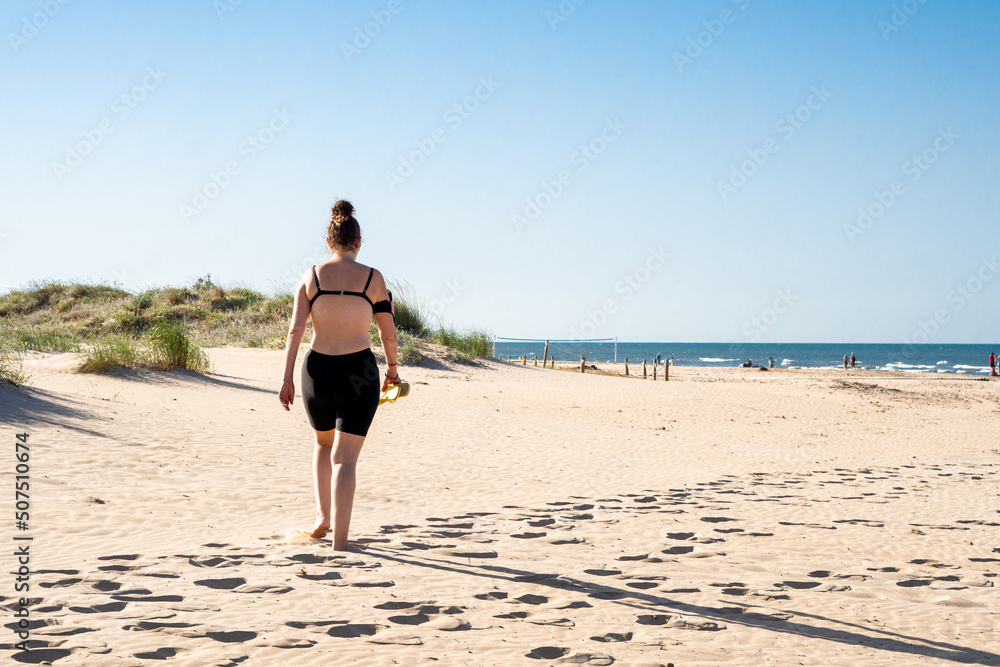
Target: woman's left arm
(297, 328)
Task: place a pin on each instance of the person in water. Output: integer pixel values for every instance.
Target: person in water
(340, 387)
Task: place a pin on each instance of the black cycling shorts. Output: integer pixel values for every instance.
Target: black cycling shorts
(340, 391)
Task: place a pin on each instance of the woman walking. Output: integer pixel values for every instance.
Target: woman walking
(340, 386)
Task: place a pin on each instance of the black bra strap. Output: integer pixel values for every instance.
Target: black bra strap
(316, 277)
(371, 272)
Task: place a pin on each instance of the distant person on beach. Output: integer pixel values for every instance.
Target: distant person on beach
(747, 364)
(340, 387)
(770, 362)
(657, 360)
(993, 364)
(854, 361)
(845, 362)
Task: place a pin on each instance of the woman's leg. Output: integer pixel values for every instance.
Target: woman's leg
(346, 448)
(322, 472)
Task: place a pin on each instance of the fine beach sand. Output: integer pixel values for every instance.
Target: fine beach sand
(514, 515)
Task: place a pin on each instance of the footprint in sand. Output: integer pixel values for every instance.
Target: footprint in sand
(863, 522)
(613, 637)
(678, 550)
(547, 652)
(147, 597)
(492, 595)
(153, 626)
(212, 561)
(642, 585)
(608, 594)
(799, 585)
(326, 577)
(633, 558)
(352, 630)
(528, 598)
(527, 536)
(221, 584)
(62, 583)
(410, 619)
(106, 585)
(38, 656)
(162, 653)
(603, 573)
(680, 536)
(100, 608)
(806, 525)
(308, 625)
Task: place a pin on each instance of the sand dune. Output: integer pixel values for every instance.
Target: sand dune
(514, 515)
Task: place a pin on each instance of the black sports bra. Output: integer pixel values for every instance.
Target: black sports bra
(383, 306)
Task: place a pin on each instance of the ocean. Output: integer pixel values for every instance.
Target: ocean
(961, 359)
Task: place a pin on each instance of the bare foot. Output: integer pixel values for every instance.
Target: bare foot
(356, 548)
(319, 530)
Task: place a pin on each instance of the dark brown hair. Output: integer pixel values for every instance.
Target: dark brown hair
(344, 231)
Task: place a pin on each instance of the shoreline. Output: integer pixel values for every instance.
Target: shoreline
(692, 372)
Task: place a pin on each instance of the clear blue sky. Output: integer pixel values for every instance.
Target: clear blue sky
(199, 77)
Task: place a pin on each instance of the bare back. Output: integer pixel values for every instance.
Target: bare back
(341, 321)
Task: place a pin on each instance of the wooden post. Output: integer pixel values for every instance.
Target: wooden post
(553, 362)
(583, 363)
(536, 362)
(654, 372)
(524, 360)
(666, 371)
(545, 354)
(626, 365)
(644, 369)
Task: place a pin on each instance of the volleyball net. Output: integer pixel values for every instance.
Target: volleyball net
(571, 347)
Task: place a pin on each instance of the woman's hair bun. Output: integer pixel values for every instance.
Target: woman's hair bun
(343, 231)
(343, 210)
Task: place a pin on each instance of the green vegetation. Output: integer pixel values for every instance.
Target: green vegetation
(409, 351)
(171, 347)
(49, 339)
(168, 327)
(407, 310)
(112, 353)
(473, 342)
(10, 368)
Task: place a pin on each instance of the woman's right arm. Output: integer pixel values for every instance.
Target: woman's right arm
(296, 329)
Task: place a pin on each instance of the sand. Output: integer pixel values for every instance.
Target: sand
(512, 515)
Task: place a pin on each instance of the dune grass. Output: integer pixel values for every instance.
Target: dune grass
(165, 346)
(11, 370)
(408, 311)
(476, 343)
(169, 347)
(169, 326)
(113, 353)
